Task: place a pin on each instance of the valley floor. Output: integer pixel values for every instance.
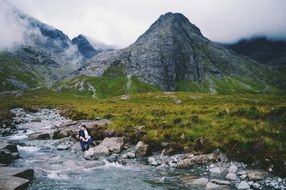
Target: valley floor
(248, 128)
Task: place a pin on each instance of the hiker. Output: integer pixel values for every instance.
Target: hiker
(84, 138)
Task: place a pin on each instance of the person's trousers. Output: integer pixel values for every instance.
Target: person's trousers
(85, 145)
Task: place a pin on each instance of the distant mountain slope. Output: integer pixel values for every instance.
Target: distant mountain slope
(174, 55)
(261, 49)
(84, 46)
(42, 51)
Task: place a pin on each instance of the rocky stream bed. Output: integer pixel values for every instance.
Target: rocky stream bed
(43, 152)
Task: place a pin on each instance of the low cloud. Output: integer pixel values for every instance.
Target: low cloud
(121, 22)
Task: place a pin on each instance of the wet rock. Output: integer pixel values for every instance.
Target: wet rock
(96, 152)
(8, 152)
(113, 158)
(114, 144)
(62, 147)
(6, 132)
(231, 176)
(243, 185)
(39, 136)
(76, 147)
(152, 161)
(255, 175)
(141, 149)
(15, 178)
(256, 186)
(130, 155)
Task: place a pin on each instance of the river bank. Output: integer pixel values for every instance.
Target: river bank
(47, 143)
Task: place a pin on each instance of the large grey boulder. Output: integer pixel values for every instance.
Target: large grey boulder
(39, 136)
(114, 144)
(15, 178)
(141, 149)
(96, 152)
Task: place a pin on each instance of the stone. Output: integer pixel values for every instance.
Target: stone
(220, 182)
(76, 147)
(256, 185)
(231, 176)
(39, 136)
(200, 182)
(215, 170)
(211, 185)
(94, 153)
(114, 144)
(113, 158)
(255, 175)
(62, 147)
(243, 185)
(232, 169)
(152, 161)
(192, 160)
(178, 101)
(8, 153)
(141, 149)
(130, 155)
(15, 178)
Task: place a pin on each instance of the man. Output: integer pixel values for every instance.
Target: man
(84, 138)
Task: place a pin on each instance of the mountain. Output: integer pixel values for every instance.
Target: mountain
(173, 55)
(84, 46)
(43, 51)
(261, 49)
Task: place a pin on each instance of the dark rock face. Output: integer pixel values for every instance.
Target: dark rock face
(172, 50)
(84, 47)
(270, 52)
(8, 153)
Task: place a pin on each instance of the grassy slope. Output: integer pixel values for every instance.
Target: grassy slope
(11, 68)
(247, 127)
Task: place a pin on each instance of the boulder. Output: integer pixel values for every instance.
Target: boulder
(255, 175)
(232, 169)
(39, 136)
(113, 158)
(200, 182)
(231, 176)
(243, 185)
(94, 153)
(76, 147)
(220, 182)
(141, 149)
(152, 161)
(215, 170)
(15, 178)
(192, 160)
(114, 144)
(8, 153)
(130, 155)
(211, 185)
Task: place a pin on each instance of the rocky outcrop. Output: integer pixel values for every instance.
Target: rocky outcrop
(255, 175)
(15, 178)
(8, 153)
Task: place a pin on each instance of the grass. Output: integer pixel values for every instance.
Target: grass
(12, 68)
(247, 127)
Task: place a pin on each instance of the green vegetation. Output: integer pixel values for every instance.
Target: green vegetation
(11, 69)
(113, 83)
(246, 127)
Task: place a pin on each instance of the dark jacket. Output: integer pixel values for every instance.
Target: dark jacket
(81, 133)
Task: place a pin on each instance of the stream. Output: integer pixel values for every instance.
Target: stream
(67, 169)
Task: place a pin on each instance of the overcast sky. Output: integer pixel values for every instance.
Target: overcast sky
(120, 22)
